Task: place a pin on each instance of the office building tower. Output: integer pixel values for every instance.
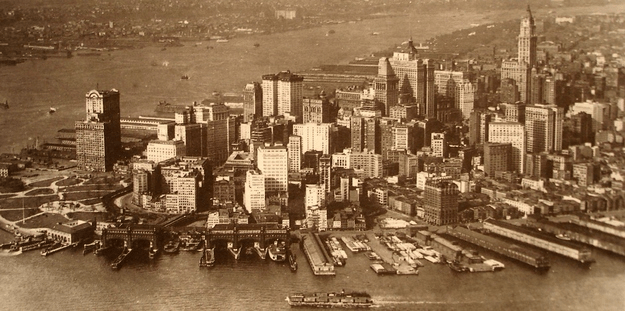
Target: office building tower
(252, 101)
(439, 145)
(161, 150)
(496, 158)
(520, 69)
(365, 134)
(282, 93)
(514, 134)
(464, 97)
(315, 136)
(509, 91)
(273, 163)
(513, 112)
(98, 136)
(404, 137)
(386, 126)
(295, 153)
(366, 164)
(254, 192)
(316, 110)
(325, 172)
(543, 126)
(185, 185)
(404, 112)
(445, 81)
(386, 85)
(440, 202)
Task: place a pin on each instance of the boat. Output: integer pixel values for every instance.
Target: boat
(171, 247)
(292, 262)
(190, 245)
(256, 45)
(5, 105)
(277, 251)
(563, 236)
(457, 267)
(341, 299)
(222, 40)
(375, 33)
(184, 77)
(52, 110)
(331, 32)
(208, 258)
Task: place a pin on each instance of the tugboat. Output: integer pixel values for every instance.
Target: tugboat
(331, 300)
(292, 262)
(184, 77)
(52, 110)
(171, 247)
(208, 258)
(277, 251)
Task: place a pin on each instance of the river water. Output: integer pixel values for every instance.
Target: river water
(70, 281)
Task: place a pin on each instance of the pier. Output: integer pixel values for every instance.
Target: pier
(318, 258)
(120, 259)
(514, 251)
(540, 240)
(235, 235)
(54, 250)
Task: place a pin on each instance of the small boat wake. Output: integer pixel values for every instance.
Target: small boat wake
(7, 253)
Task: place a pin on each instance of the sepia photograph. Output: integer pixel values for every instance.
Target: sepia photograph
(300, 154)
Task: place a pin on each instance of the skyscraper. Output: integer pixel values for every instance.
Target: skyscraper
(295, 153)
(386, 85)
(282, 93)
(543, 126)
(512, 133)
(98, 137)
(252, 101)
(325, 172)
(273, 163)
(254, 192)
(315, 136)
(440, 202)
(520, 69)
(496, 158)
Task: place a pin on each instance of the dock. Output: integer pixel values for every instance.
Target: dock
(540, 240)
(510, 250)
(54, 250)
(120, 259)
(318, 258)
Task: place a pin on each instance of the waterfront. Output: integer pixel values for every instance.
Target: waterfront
(69, 280)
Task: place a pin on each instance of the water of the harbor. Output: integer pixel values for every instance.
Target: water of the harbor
(70, 281)
(143, 80)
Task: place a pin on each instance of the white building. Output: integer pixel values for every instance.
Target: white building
(254, 191)
(317, 137)
(314, 196)
(513, 133)
(464, 97)
(439, 145)
(273, 162)
(295, 153)
(161, 150)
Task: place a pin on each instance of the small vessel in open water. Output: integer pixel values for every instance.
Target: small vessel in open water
(277, 251)
(342, 299)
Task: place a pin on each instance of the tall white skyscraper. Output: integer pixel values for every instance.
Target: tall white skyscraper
(273, 162)
(282, 93)
(317, 137)
(254, 192)
(543, 127)
(512, 133)
(295, 153)
(520, 69)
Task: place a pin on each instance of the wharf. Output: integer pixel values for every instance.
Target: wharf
(52, 251)
(514, 251)
(317, 256)
(545, 241)
(591, 236)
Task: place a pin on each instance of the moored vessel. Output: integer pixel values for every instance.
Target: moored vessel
(341, 299)
(277, 251)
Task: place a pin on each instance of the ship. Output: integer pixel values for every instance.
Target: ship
(341, 299)
(222, 40)
(208, 258)
(184, 77)
(292, 262)
(277, 251)
(171, 247)
(52, 110)
(256, 45)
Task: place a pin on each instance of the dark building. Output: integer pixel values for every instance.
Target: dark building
(386, 86)
(316, 110)
(98, 137)
(365, 134)
(311, 160)
(509, 91)
(497, 158)
(441, 203)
